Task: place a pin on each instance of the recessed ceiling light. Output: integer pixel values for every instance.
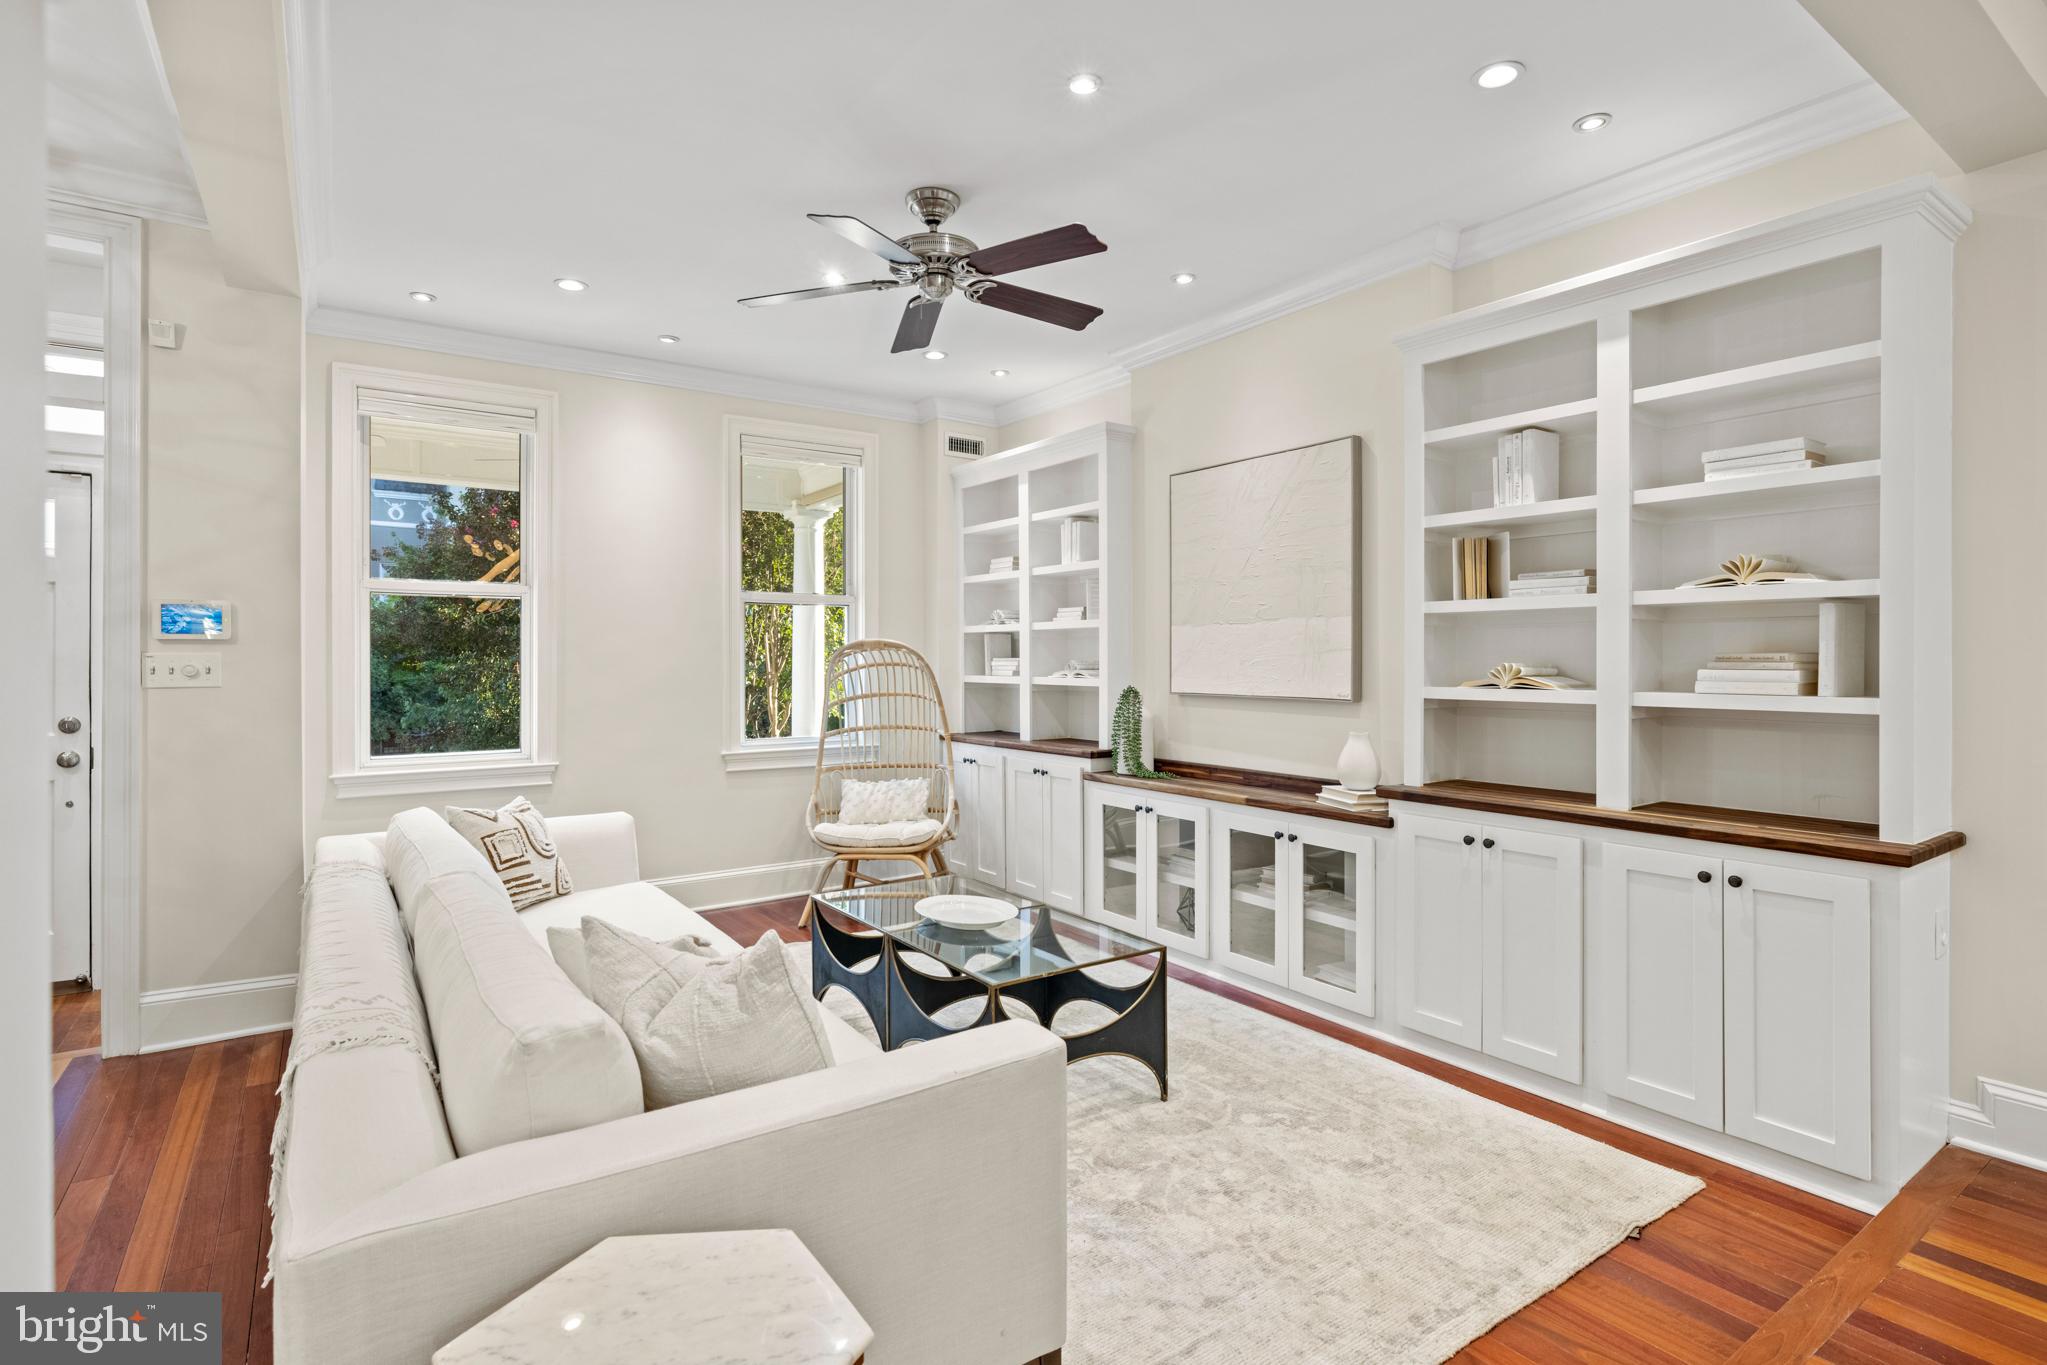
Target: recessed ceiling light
(833, 277)
(573, 286)
(1000, 374)
(1493, 75)
(1085, 83)
(1183, 278)
(666, 340)
(421, 296)
(1592, 123)
(934, 355)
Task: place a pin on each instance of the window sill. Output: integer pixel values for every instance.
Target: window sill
(452, 777)
(753, 756)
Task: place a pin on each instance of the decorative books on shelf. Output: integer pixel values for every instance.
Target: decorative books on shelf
(1747, 570)
(1002, 564)
(1764, 457)
(1769, 673)
(1343, 798)
(1526, 676)
(1080, 540)
(1478, 564)
(1525, 467)
(1005, 667)
(1554, 583)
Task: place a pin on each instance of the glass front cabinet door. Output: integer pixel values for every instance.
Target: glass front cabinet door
(1146, 866)
(1333, 914)
(1250, 887)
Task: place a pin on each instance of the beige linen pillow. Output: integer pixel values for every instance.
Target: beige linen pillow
(703, 1026)
(566, 945)
(515, 842)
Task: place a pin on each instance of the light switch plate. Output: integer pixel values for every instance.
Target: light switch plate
(181, 669)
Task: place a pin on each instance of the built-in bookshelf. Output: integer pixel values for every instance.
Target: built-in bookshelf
(1060, 509)
(1832, 326)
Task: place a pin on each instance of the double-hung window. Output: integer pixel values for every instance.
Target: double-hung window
(442, 669)
(799, 545)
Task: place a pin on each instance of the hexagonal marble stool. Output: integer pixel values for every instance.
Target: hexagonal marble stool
(727, 1298)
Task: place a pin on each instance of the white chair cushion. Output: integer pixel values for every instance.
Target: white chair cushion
(881, 803)
(522, 1052)
(894, 834)
(706, 1026)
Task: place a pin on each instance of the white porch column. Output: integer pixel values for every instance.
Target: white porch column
(807, 651)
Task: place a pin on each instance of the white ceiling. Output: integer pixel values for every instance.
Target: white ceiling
(667, 153)
(113, 132)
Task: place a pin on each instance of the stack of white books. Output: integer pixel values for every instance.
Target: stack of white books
(1094, 598)
(1343, 798)
(1002, 564)
(1554, 583)
(1004, 667)
(1079, 540)
(1525, 467)
(1070, 614)
(1768, 673)
(1764, 457)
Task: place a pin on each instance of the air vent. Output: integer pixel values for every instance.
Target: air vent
(973, 447)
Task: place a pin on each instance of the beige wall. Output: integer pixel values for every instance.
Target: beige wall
(639, 524)
(1111, 406)
(220, 782)
(1330, 370)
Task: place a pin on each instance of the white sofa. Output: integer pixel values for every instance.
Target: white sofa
(930, 1182)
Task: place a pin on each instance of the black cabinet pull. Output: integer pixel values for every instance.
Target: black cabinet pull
(1279, 834)
(1469, 840)
(1735, 882)
(1705, 876)
(1488, 843)
(1293, 838)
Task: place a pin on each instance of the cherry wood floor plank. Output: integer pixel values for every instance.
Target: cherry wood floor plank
(198, 1217)
(75, 1214)
(106, 1247)
(101, 1149)
(234, 1271)
(149, 1246)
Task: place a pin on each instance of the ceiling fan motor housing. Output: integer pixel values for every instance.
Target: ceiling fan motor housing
(932, 204)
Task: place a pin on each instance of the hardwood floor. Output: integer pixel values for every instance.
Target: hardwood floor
(163, 1168)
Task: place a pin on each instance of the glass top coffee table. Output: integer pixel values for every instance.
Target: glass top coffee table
(903, 968)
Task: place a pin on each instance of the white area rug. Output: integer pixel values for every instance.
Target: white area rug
(1302, 1202)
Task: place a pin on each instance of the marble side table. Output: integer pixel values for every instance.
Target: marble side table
(696, 1298)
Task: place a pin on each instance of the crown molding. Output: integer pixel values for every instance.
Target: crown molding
(348, 325)
(133, 196)
(1845, 113)
(955, 410)
(1435, 245)
(1076, 390)
(310, 147)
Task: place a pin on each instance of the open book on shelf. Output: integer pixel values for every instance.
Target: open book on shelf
(1745, 570)
(1507, 676)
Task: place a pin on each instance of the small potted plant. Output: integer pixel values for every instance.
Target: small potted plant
(1126, 735)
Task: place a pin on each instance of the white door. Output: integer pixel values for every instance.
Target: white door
(978, 852)
(1334, 914)
(1061, 784)
(1024, 804)
(67, 542)
(1250, 882)
(964, 852)
(1440, 976)
(1176, 907)
(1798, 1021)
(1662, 981)
(1116, 857)
(1533, 924)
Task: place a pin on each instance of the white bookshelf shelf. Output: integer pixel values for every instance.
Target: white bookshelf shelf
(1756, 594)
(1009, 577)
(1078, 509)
(1556, 516)
(1066, 625)
(1065, 682)
(1802, 490)
(990, 680)
(988, 528)
(993, 630)
(1809, 377)
(1060, 570)
(1514, 696)
(1566, 419)
(1486, 606)
(1724, 701)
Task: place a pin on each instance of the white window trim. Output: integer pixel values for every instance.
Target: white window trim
(831, 443)
(353, 772)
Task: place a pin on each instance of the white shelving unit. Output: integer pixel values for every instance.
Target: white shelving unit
(1013, 503)
(1833, 325)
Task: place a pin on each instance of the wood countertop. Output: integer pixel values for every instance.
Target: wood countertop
(1282, 792)
(1009, 739)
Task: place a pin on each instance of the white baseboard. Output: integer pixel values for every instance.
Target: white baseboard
(742, 885)
(2006, 1120)
(189, 1015)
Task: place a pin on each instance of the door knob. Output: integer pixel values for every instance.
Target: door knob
(69, 725)
(68, 759)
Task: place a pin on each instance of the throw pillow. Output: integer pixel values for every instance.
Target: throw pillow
(566, 944)
(880, 803)
(703, 1026)
(515, 842)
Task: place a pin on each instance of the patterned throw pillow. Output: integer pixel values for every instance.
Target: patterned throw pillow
(881, 803)
(514, 841)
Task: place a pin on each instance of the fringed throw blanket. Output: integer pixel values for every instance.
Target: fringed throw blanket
(356, 986)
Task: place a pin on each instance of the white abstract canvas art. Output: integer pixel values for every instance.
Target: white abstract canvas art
(1264, 575)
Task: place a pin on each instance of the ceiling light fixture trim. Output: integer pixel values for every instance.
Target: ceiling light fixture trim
(571, 284)
(1497, 75)
(1591, 123)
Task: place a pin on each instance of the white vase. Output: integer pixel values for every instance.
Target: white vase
(1357, 767)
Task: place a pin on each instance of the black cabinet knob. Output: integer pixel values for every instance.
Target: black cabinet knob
(1705, 876)
(1279, 834)
(1293, 838)
(1488, 843)
(1735, 882)
(1470, 840)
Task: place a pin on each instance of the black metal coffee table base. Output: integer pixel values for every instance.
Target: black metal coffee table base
(900, 1000)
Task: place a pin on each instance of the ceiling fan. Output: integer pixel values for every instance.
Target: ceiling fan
(940, 264)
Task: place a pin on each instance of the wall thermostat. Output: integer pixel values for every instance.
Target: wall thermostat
(178, 619)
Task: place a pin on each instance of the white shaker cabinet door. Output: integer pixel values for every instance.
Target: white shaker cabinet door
(1661, 981)
(1534, 917)
(1440, 986)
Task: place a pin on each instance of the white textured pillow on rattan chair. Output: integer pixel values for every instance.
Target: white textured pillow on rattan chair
(884, 803)
(515, 842)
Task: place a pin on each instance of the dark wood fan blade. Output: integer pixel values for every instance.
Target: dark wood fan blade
(1040, 248)
(860, 234)
(823, 292)
(920, 320)
(1014, 298)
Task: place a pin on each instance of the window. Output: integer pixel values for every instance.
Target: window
(441, 675)
(798, 534)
